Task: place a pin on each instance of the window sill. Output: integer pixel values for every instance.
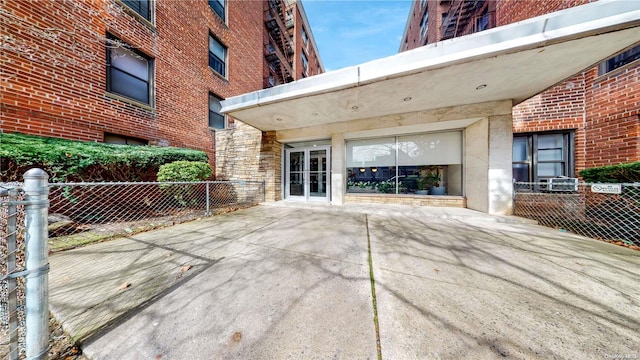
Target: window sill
(130, 101)
(138, 17)
(223, 22)
(615, 72)
(217, 74)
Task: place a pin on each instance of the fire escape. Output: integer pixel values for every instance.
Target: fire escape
(278, 50)
(462, 18)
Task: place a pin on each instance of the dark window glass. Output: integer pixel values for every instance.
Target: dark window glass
(142, 7)
(216, 119)
(620, 60)
(482, 23)
(218, 7)
(129, 74)
(217, 55)
(539, 157)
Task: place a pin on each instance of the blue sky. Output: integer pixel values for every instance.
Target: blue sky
(350, 32)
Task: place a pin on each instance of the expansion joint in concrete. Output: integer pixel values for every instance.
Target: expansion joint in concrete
(373, 291)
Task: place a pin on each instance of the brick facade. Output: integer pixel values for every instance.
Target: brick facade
(54, 75)
(54, 71)
(603, 111)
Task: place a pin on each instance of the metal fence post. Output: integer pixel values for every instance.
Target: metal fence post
(12, 301)
(37, 264)
(208, 206)
(264, 191)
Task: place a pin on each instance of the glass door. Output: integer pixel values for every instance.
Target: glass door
(295, 187)
(307, 174)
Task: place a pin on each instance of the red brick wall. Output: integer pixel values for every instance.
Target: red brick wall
(613, 117)
(53, 81)
(510, 11)
(559, 108)
(604, 111)
(299, 47)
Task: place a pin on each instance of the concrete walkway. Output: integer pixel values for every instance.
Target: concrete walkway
(286, 280)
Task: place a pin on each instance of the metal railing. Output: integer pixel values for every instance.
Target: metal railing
(609, 212)
(24, 266)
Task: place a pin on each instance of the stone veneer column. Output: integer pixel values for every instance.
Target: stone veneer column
(246, 153)
(337, 169)
(500, 165)
(270, 166)
(488, 172)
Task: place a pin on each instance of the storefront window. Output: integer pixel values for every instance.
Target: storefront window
(412, 164)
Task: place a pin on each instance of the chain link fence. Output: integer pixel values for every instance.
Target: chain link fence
(608, 212)
(12, 289)
(82, 213)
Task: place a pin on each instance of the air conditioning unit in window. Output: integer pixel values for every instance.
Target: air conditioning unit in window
(563, 184)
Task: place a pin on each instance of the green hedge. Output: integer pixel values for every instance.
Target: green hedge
(622, 173)
(185, 171)
(66, 160)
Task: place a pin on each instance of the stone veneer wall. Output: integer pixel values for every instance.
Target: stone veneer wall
(420, 200)
(246, 153)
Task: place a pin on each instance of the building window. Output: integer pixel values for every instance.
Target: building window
(408, 164)
(540, 157)
(305, 62)
(305, 39)
(218, 7)
(482, 22)
(142, 7)
(129, 73)
(216, 118)
(123, 140)
(424, 26)
(217, 55)
(619, 60)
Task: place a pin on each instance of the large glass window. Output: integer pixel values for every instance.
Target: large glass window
(539, 157)
(217, 55)
(216, 118)
(410, 164)
(142, 7)
(130, 74)
(218, 7)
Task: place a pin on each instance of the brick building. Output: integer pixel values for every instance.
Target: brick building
(591, 119)
(138, 72)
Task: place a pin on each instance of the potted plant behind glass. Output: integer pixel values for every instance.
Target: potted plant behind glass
(423, 184)
(436, 188)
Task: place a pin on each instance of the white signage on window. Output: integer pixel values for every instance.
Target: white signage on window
(606, 188)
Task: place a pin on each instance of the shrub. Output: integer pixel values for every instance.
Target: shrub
(66, 160)
(622, 173)
(185, 171)
(184, 194)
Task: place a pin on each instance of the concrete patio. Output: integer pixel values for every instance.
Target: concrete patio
(283, 280)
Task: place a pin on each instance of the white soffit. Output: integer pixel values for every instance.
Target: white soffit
(512, 62)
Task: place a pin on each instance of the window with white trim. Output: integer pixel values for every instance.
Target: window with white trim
(216, 118)
(217, 55)
(142, 7)
(218, 7)
(129, 73)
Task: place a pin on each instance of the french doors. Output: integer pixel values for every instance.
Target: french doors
(307, 174)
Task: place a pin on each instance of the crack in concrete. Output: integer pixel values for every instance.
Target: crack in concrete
(373, 291)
